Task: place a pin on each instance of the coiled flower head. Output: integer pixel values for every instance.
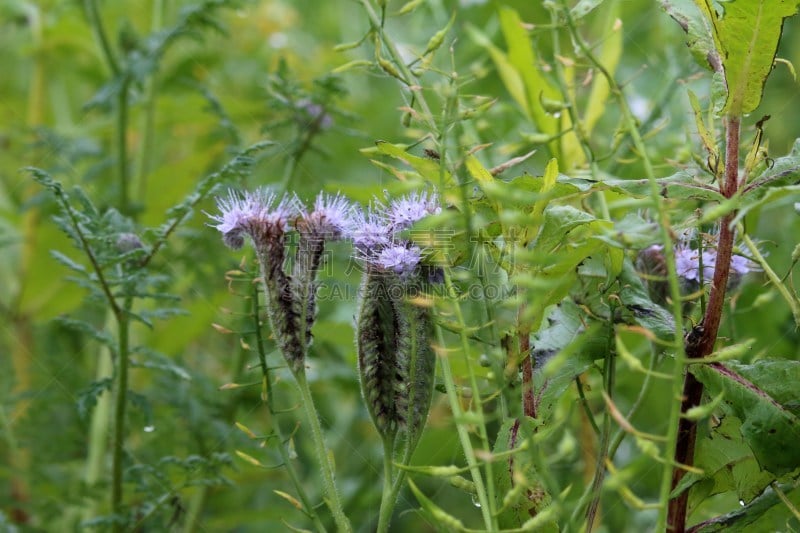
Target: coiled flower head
(404, 212)
(402, 259)
(257, 214)
(330, 219)
(370, 232)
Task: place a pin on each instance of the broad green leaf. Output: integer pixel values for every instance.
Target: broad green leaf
(519, 491)
(771, 197)
(640, 309)
(697, 20)
(728, 465)
(749, 32)
(562, 350)
(760, 513)
(680, 186)
(559, 221)
(770, 428)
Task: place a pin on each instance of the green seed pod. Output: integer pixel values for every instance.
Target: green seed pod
(306, 264)
(281, 305)
(417, 357)
(382, 375)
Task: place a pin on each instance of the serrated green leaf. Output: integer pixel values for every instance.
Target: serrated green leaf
(67, 261)
(87, 398)
(89, 330)
(770, 429)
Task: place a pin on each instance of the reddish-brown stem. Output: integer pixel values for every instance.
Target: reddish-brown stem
(528, 399)
(700, 342)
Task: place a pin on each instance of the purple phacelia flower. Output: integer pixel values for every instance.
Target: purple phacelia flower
(403, 212)
(256, 214)
(399, 258)
(330, 219)
(687, 263)
(370, 232)
(741, 265)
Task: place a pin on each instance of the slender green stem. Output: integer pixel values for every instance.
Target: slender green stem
(643, 390)
(328, 477)
(377, 26)
(123, 326)
(786, 501)
(481, 422)
(96, 22)
(609, 372)
(122, 148)
(276, 427)
(149, 115)
(98, 428)
(463, 435)
(389, 494)
(585, 404)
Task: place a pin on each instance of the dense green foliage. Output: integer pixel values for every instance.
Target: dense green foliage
(141, 383)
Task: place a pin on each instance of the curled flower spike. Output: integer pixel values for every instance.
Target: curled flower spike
(401, 259)
(403, 212)
(330, 219)
(255, 214)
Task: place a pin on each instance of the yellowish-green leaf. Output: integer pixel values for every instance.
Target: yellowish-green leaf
(550, 177)
(511, 78)
(708, 140)
(522, 56)
(249, 458)
(427, 168)
(289, 498)
(439, 515)
(609, 59)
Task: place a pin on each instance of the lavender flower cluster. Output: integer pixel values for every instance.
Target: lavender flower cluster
(691, 264)
(375, 232)
(377, 236)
